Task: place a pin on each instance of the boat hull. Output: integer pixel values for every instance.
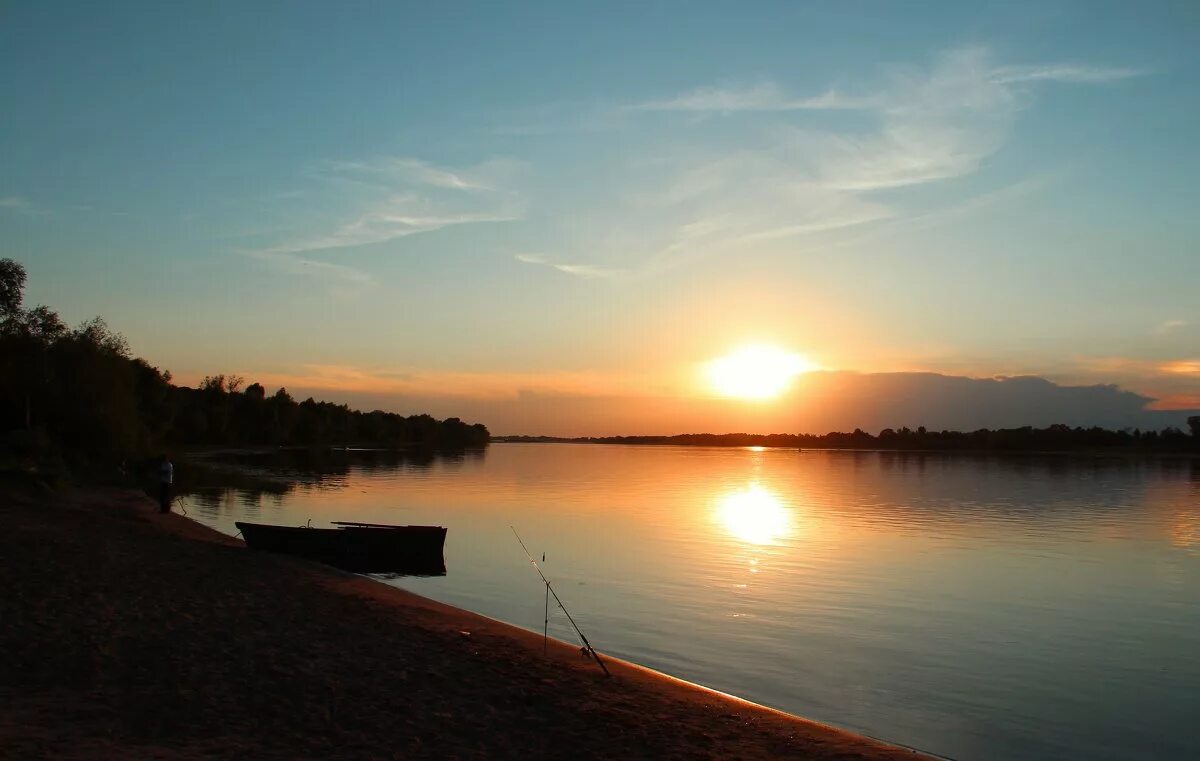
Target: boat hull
(414, 550)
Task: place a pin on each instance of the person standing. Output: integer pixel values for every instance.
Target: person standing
(166, 479)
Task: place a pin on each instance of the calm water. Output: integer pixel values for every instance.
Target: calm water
(980, 608)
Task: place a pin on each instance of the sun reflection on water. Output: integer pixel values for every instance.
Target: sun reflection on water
(1185, 530)
(754, 515)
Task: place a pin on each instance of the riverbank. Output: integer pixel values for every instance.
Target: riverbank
(133, 634)
(1182, 446)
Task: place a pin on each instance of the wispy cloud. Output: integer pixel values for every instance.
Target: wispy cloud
(933, 125)
(1182, 367)
(781, 177)
(390, 198)
(22, 206)
(406, 196)
(770, 96)
(396, 217)
(581, 270)
(324, 271)
(763, 96)
(786, 180)
(393, 172)
(1168, 326)
(1066, 73)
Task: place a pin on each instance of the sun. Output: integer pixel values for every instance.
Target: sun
(756, 372)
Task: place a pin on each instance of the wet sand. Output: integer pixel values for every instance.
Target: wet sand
(128, 634)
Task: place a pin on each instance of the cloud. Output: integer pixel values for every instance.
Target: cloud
(12, 202)
(933, 125)
(431, 383)
(770, 96)
(785, 179)
(937, 401)
(765, 96)
(581, 270)
(1168, 382)
(588, 403)
(396, 217)
(324, 271)
(22, 206)
(392, 172)
(399, 197)
(1182, 367)
(1189, 402)
(782, 177)
(1168, 326)
(1065, 73)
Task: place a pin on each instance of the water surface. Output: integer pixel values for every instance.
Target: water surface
(977, 607)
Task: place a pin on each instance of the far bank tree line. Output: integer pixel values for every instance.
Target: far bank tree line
(223, 410)
(1055, 438)
(78, 394)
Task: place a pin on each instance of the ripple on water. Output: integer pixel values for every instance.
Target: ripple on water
(980, 607)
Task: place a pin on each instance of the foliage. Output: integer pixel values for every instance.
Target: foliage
(12, 287)
(80, 395)
(1055, 438)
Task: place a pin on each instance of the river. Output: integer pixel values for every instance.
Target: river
(978, 607)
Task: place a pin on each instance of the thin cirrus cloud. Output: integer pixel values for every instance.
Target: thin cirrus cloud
(582, 270)
(770, 96)
(391, 172)
(397, 198)
(1168, 326)
(324, 271)
(776, 179)
(395, 217)
(407, 196)
(1066, 73)
(764, 96)
(783, 179)
(22, 206)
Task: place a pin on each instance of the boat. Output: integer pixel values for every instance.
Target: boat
(357, 547)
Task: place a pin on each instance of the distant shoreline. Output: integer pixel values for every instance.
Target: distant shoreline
(671, 441)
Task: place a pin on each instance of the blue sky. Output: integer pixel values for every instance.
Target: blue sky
(478, 201)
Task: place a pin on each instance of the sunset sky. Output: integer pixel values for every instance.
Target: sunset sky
(553, 219)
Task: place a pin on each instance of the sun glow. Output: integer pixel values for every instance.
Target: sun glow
(756, 372)
(754, 515)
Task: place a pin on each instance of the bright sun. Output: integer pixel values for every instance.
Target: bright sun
(756, 372)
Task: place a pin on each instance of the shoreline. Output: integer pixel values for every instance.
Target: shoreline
(1098, 453)
(140, 634)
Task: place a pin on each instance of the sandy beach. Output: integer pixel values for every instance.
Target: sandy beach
(129, 634)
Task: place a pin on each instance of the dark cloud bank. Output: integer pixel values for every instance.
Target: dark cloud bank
(880, 400)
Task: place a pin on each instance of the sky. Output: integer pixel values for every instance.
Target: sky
(550, 217)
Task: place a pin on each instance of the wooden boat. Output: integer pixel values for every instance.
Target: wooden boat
(358, 547)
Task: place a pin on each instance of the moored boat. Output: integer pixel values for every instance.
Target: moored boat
(358, 547)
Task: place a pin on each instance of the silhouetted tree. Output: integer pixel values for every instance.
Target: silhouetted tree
(80, 394)
(12, 287)
(1054, 438)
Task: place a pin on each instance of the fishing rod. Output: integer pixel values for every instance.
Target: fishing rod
(546, 618)
(587, 646)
